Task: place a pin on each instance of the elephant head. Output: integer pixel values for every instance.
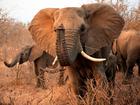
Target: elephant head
(27, 53)
(71, 31)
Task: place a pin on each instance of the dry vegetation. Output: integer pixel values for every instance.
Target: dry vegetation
(17, 85)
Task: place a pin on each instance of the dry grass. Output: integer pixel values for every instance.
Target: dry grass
(18, 85)
(23, 91)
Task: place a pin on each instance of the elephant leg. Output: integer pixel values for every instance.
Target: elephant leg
(76, 82)
(111, 76)
(39, 73)
(61, 78)
(130, 65)
(111, 82)
(129, 72)
(120, 63)
(100, 76)
(110, 70)
(36, 73)
(41, 79)
(110, 73)
(106, 82)
(124, 66)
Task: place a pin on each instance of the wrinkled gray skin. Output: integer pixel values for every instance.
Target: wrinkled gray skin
(41, 60)
(127, 50)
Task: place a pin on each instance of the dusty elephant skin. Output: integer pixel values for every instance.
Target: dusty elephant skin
(40, 58)
(74, 33)
(127, 49)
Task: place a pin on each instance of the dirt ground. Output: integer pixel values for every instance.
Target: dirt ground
(18, 87)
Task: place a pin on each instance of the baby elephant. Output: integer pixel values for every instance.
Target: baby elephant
(41, 59)
(110, 69)
(127, 50)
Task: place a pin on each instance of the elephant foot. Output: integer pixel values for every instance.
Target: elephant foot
(61, 79)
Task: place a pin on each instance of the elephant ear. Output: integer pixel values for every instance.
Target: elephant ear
(35, 53)
(105, 24)
(41, 29)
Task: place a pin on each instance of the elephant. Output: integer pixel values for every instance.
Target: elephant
(127, 49)
(40, 58)
(111, 68)
(79, 37)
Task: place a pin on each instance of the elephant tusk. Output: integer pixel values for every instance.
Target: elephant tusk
(54, 61)
(17, 65)
(91, 58)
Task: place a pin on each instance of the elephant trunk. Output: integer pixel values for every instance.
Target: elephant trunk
(13, 62)
(20, 58)
(67, 46)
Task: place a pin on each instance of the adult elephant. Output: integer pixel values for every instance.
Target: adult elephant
(127, 49)
(77, 32)
(41, 60)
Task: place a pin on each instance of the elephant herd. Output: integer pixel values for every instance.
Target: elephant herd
(82, 43)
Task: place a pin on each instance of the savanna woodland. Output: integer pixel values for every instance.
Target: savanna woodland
(30, 75)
